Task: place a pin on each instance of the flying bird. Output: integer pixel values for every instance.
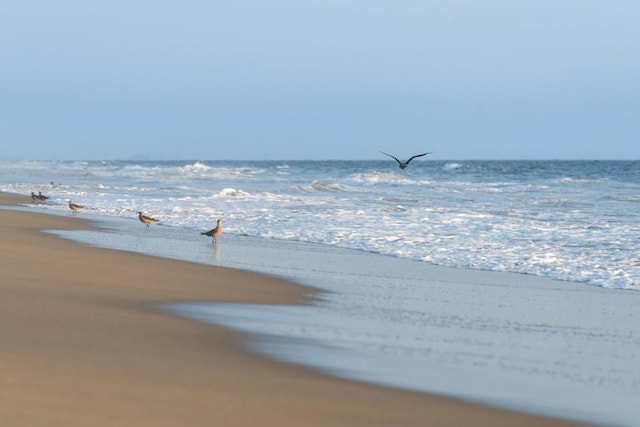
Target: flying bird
(74, 208)
(216, 232)
(146, 220)
(403, 165)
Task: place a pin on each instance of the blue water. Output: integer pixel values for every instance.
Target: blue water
(569, 220)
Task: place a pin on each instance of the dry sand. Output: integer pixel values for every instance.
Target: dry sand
(82, 345)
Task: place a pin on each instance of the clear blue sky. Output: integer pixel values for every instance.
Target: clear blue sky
(325, 79)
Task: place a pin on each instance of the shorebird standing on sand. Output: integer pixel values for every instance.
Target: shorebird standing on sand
(74, 208)
(146, 220)
(41, 196)
(216, 232)
(403, 165)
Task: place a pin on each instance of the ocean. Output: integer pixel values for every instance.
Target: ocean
(567, 220)
(507, 283)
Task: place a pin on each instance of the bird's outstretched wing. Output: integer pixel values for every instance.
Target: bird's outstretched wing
(393, 157)
(417, 155)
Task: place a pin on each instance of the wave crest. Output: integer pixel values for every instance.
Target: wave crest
(232, 193)
(385, 178)
(451, 166)
(319, 186)
(197, 168)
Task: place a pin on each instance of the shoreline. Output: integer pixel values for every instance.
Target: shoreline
(92, 348)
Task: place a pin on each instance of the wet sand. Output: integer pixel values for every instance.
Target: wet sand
(81, 343)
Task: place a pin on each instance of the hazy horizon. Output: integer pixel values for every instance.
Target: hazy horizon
(194, 160)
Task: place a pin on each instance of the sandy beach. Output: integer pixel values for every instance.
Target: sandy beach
(84, 344)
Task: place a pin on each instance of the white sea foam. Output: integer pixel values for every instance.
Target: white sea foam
(566, 220)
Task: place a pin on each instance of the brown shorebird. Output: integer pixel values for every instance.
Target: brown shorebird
(146, 220)
(74, 208)
(403, 165)
(216, 232)
(34, 196)
(41, 196)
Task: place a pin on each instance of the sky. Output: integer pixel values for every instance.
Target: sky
(319, 79)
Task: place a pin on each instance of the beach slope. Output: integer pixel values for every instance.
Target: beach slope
(81, 343)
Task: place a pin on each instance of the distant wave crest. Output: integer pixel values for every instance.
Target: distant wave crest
(571, 180)
(322, 187)
(233, 193)
(385, 178)
(451, 166)
(195, 169)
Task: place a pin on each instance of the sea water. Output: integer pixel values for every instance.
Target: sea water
(381, 242)
(568, 220)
